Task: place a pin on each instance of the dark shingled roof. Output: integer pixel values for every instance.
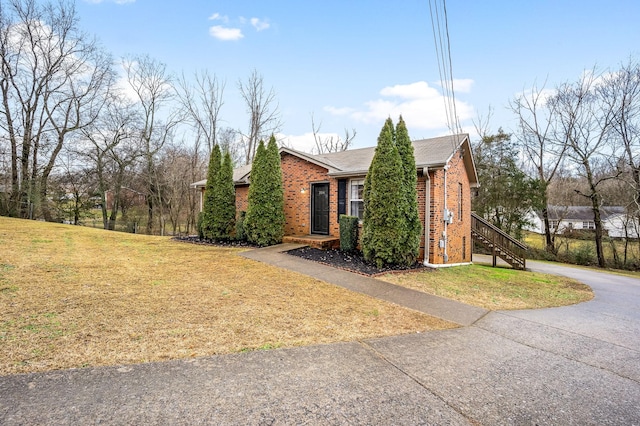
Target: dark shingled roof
(429, 153)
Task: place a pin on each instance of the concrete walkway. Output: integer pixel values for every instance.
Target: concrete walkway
(576, 365)
(440, 307)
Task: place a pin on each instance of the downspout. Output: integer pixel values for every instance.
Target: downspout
(446, 217)
(427, 215)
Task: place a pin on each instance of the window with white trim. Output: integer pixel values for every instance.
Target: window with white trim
(588, 225)
(356, 203)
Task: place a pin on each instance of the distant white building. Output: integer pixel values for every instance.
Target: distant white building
(615, 220)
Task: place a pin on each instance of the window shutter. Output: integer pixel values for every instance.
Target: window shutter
(342, 197)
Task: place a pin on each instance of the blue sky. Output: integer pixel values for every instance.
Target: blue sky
(353, 63)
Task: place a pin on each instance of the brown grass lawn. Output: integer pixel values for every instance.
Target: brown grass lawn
(76, 297)
(496, 288)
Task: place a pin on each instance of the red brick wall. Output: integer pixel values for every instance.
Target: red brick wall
(298, 174)
(459, 229)
(242, 198)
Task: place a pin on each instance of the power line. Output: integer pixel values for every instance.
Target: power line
(440, 27)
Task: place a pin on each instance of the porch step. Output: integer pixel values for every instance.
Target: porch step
(316, 241)
(499, 243)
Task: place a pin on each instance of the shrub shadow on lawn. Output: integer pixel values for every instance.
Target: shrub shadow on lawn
(194, 239)
(353, 262)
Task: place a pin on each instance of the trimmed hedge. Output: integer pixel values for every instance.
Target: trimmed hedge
(348, 233)
(241, 235)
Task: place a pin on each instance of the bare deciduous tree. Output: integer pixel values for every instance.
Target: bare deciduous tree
(51, 76)
(112, 153)
(586, 123)
(74, 105)
(153, 88)
(230, 141)
(537, 135)
(620, 92)
(201, 103)
(331, 143)
(262, 107)
(177, 165)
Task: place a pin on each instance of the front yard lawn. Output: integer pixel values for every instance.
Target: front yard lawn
(75, 297)
(495, 288)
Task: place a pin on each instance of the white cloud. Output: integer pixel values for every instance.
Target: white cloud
(224, 33)
(460, 85)
(339, 111)
(260, 25)
(304, 142)
(410, 91)
(536, 96)
(217, 17)
(421, 106)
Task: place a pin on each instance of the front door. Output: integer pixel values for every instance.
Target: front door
(320, 208)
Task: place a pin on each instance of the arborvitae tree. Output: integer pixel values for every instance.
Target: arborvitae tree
(255, 198)
(411, 241)
(384, 225)
(276, 189)
(264, 222)
(224, 196)
(209, 205)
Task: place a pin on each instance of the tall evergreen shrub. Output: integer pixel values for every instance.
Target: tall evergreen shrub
(384, 224)
(209, 205)
(411, 240)
(264, 222)
(224, 197)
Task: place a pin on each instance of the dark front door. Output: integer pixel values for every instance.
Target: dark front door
(320, 208)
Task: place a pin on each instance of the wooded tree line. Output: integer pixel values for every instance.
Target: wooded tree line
(80, 129)
(576, 144)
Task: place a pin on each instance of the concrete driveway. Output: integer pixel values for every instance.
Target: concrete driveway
(576, 365)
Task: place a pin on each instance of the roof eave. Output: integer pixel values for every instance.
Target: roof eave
(347, 173)
(311, 159)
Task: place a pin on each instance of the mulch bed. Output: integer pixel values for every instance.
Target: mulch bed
(353, 262)
(194, 239)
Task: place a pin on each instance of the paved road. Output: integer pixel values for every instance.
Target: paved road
(577, 365)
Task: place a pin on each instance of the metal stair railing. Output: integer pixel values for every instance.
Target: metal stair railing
(499, 242)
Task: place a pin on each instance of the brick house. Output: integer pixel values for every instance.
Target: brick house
(318, 188)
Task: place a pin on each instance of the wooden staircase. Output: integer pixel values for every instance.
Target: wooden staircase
(500, 243)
